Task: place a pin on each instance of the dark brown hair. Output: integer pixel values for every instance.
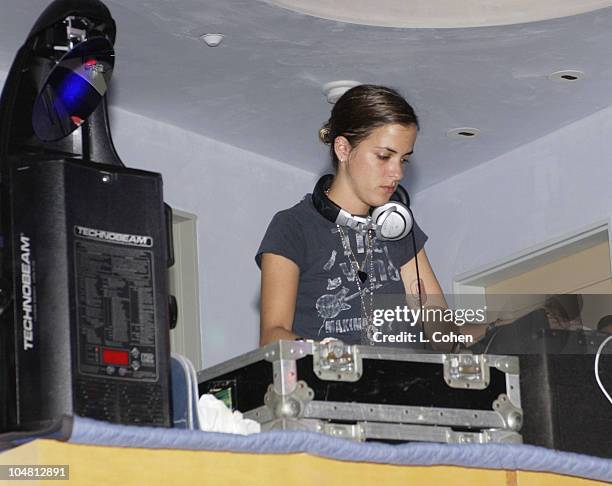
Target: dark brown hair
(564, 306)
(361, 110)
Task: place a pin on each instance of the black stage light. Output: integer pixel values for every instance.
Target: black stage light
(85, 242)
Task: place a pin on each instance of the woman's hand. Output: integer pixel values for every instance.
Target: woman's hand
(279, 285)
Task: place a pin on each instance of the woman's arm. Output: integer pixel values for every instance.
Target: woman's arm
(279, 286)
(431, 296)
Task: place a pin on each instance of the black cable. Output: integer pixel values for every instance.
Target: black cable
(416, 264)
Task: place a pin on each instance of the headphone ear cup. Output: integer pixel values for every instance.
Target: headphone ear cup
(401, 195)
(393, 221)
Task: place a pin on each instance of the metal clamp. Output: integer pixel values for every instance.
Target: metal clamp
(506, 364)
(466, 371)
(335, 361)
(512, 416)
(290, 405)
(73, 33)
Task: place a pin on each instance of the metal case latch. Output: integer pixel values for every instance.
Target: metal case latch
(346, 431)
(485, 437)
(336, 361)
(466, 371)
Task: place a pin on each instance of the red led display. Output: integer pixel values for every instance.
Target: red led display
(116, 357)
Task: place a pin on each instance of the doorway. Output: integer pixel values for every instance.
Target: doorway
(186, 338)
(578, 263)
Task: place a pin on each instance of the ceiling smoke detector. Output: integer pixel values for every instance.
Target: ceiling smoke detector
(463, 133)
(335, 89)
(566, 76)
(212, 40)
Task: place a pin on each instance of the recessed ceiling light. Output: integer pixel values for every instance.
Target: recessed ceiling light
(212, 40)
(335, 89)
(463, 133)
(566, 76)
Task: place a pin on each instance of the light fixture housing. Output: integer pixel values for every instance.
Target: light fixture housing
(212, 40)
(566, 76)
(463, 133)
(334, 90)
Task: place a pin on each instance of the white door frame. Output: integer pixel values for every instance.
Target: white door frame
(186, 339)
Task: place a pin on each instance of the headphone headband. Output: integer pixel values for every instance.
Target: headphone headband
(328, 208)
(401, 195)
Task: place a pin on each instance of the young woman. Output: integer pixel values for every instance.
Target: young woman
(321, 279)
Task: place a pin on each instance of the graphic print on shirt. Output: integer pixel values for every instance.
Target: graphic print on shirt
(342, 273)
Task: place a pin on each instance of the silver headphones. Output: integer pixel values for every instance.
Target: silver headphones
(391, 221)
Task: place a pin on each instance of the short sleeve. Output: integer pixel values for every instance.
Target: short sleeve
(284, 237)
(415, 240)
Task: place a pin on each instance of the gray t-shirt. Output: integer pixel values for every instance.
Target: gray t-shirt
(328, 302)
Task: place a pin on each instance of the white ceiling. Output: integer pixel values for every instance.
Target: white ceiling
(261, 88)
(440, 13)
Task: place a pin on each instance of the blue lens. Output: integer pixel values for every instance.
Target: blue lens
(73, 89)
(74, 93)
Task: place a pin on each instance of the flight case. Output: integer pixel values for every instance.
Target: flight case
(368, 392)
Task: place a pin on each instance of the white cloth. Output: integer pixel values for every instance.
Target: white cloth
(216, 417)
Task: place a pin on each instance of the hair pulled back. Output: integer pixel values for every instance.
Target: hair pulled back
(363, 109)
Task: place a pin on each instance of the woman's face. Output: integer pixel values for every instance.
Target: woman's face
(375, 166)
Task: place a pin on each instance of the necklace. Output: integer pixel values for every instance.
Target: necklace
(363, 276)
(367, 311)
